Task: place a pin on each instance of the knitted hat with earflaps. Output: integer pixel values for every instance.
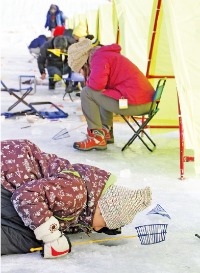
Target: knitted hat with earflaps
(78, 54)
(119, 205)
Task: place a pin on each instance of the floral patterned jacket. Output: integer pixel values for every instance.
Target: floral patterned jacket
(44, 185)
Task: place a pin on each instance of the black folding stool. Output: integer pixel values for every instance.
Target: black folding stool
(32, 110)
(69, 82)
(152, 112)
(13, 91)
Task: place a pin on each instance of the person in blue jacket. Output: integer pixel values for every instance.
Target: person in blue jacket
(55, 17)
(35, 44)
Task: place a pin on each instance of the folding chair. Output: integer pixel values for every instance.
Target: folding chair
(21, 77)
(13, 92)
(152, 112)
(69, 81)
(32, 110)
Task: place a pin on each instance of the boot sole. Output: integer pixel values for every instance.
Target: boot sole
(110, 141)
(89, 149)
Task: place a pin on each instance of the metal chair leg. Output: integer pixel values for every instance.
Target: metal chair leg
(137, 134)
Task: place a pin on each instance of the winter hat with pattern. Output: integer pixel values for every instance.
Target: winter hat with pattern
(78, 54)
(119, 205)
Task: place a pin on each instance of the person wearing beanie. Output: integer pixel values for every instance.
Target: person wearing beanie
(55, 17)
(113, 85)
(45, 198)
(80, 31)
(53, 57)
(73, 36)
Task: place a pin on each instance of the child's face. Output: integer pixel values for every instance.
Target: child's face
(98, 221)
(53, 10)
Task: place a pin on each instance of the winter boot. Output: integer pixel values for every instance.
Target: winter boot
(95, 140)
(51, 84)
(108, 134)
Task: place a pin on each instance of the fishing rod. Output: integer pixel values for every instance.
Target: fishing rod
(90, 242)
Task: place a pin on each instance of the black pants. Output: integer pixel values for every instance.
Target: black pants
(15, 236)
(52, 70)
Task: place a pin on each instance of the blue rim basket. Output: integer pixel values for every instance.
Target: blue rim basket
(151, 234)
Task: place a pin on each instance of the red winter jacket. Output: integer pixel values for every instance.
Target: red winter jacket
(44, 185)
(118, 76)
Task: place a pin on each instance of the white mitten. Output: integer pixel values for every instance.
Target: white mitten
(57, 248)
(55, 243)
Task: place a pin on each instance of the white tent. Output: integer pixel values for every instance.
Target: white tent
(177, 53)
(175, 28)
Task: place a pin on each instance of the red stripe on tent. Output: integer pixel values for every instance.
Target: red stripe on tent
(153, 37)
(182, 157)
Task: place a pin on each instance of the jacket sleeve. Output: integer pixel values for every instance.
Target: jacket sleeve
(100, 70)
(63, 16)
(37, 200)
(33, 43)
(47, 20)
(68, 34)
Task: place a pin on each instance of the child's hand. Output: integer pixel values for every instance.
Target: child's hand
(57, 248)
(43, 76)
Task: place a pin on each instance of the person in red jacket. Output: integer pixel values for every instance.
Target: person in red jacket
(44, 198)
(113, 85)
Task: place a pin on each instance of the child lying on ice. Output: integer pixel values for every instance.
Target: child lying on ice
(45, 197)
